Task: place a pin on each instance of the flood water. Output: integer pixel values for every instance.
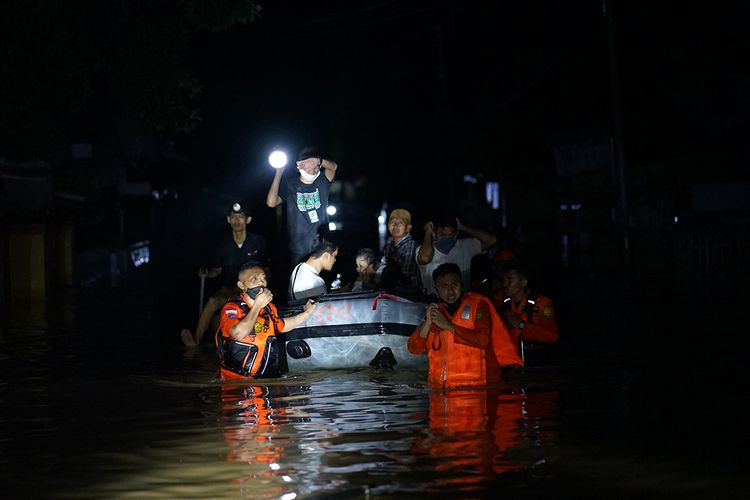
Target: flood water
(99, 400)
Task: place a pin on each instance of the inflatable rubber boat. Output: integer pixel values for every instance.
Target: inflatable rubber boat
(354, 330)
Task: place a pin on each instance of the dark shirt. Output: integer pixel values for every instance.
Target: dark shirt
(229, 257)
(305, 211)
(403, 255)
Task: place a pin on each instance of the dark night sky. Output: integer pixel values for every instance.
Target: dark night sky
(404, 87)
(390, 88)
(412, 87)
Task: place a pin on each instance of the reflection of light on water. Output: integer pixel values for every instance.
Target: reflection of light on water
(342, 432)
(154, 424)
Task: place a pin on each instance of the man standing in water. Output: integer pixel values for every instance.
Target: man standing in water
(529, 317)
(466, 342)
(307, 200)
(246, 340)
(233, 251)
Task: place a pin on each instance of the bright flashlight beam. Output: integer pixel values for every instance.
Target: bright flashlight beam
(277, 159)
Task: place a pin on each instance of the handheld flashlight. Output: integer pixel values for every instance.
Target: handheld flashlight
(278, 159)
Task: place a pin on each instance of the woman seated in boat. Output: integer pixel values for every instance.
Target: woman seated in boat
(246, 339)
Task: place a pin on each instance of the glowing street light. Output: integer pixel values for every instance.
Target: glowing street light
(278, 159)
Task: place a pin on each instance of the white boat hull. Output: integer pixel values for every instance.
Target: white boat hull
(354, 351)
(349, 330)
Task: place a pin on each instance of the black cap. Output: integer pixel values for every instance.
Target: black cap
(308, 152)
(237, 208)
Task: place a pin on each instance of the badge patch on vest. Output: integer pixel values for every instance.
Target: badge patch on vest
(258, 327)
(547, 311)
(466, 312)
(479, 315)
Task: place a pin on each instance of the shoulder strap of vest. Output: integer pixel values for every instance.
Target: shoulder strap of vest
(238, 300)
(530, 308)
(506, 305)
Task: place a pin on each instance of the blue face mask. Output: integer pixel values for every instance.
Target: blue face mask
(444, 245)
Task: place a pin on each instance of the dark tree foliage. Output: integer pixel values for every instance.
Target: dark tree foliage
(61, 58)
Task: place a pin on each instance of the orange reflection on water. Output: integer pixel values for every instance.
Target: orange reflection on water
(250, 423)
(473, 431)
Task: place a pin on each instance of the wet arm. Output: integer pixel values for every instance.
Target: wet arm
(298, 319)
(245, 326)
(417, 343)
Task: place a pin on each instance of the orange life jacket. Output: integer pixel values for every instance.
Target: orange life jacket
(474, 354)
(254, 356)
(537, 313)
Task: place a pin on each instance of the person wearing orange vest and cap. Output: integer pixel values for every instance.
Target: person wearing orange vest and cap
(528, 316)
(246, 339)
(466, 342)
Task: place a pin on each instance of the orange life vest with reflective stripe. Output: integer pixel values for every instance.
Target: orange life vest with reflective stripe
(537, 313)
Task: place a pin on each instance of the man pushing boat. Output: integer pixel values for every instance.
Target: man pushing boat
(246, 340)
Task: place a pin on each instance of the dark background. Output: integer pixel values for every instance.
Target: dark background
(137, 123)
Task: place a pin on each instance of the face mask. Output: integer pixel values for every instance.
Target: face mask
(452, 308)
(253, 292)
(444, 245)
(307, 176)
